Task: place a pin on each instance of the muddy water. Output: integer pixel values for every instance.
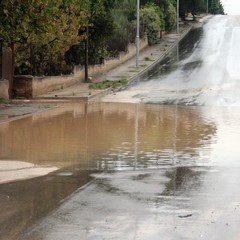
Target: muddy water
(106, 136)
(82, 139)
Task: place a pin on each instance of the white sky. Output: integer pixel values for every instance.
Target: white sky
(231, 7)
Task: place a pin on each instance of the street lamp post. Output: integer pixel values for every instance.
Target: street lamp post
(86, 54)
(137, 35)
(177, 19)
(177, 16)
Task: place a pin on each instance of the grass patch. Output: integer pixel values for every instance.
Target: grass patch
(148, 59)
(108, 84)
(134, 71)
(3, 100)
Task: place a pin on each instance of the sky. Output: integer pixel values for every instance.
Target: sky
(231, 7)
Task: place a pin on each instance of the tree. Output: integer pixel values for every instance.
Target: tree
(170, 17)
(215, 7)
(190, 6)
(101, 27)
(196, 6)
(42, 31)
(152, 18)
(168, 9)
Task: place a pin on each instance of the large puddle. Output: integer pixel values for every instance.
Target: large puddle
(105, 136)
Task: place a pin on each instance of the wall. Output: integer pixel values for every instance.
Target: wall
(6, 72)
(4, 86)
(30, 87)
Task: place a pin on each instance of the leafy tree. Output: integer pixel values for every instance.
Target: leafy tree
(215, 7)
(196, 6)
(150, 16)
(129, 7)
(190, 6)
(42, 31)
(124, 33)
(101, 27)
(124, 15)
(168, 9)
(170, 17)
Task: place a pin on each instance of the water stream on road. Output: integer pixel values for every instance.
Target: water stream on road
(208, 75)
(156, 171)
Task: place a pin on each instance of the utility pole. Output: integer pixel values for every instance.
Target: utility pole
(137, 35)
(177, 17)
(86, 55)
(177, 20)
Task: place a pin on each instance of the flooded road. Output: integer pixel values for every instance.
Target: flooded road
(131, 170)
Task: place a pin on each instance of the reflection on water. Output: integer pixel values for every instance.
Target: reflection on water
(182, 179)
(108, 136)
(81, 137)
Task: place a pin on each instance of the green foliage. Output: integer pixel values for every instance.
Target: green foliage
(215, 7)
(152, 18)
(124, 15)
(128, 8)
(108, 84)
(42, 30)
(148, 59)
(4, 101)
(170, 17)
(101, 26)
(125, 29)
(189, 6)
(197, 6)
(167, 13)
(49, 34)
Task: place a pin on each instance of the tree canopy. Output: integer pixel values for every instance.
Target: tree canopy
(197, 6)
(49, 34)
(47, 28)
